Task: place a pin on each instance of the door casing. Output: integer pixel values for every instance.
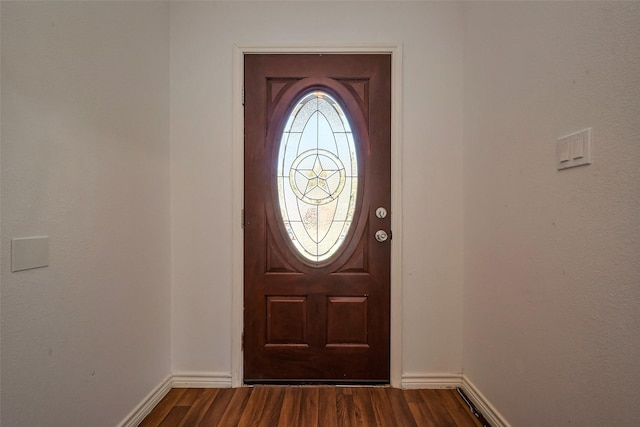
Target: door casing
(238, 193)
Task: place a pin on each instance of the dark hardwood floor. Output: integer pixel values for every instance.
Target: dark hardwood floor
(309, 406)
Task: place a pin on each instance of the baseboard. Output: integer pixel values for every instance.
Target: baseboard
(414, 380)
(223, 380)
(482, 404)
(202, 379)
(148, 403)
(190, 379)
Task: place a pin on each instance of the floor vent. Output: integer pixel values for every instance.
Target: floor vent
(473, 409)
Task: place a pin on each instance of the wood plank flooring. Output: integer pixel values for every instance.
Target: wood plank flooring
(310, 406)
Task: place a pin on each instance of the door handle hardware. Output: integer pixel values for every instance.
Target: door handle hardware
(381, 236)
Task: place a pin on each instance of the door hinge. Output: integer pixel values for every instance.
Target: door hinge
(242, 217)
(242, 94)
(242, 343)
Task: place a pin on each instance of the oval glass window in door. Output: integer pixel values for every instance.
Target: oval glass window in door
(317, 176)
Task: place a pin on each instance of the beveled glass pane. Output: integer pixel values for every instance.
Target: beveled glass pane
(326, 216)
(304, 111)
(317, 176)
(331, 115)
(291, 140)
(326, 140)
(302, 240)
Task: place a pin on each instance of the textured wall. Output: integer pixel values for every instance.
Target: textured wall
(85, 160)
(202, 36)
(551, 260)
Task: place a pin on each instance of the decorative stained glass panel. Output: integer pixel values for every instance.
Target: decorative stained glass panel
(317, 176)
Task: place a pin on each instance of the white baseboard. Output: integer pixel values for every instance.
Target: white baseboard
(415, 380)
(190, 379)
(148, 403)
(420, 380)
(482, 404)
(223, 380)
(202, 379)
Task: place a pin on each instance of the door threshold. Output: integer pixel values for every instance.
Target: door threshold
(341, 383)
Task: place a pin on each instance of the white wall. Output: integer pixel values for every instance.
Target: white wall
(202, 37)
(85, 160)
(551, 257)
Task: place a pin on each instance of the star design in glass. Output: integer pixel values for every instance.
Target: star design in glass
(318, 184)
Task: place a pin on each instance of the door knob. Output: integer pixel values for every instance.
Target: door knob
(381, 236)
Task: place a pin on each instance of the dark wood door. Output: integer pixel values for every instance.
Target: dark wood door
(317, 170)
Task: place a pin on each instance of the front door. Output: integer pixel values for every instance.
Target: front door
(317, 195)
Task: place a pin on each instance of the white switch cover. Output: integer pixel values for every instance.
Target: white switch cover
(563, 156)
(29, 252)
(574, 150)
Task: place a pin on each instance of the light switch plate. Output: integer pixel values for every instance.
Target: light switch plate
(574, 150)
(29, 252)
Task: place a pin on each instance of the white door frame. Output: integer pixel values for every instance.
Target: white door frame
(238, 193)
